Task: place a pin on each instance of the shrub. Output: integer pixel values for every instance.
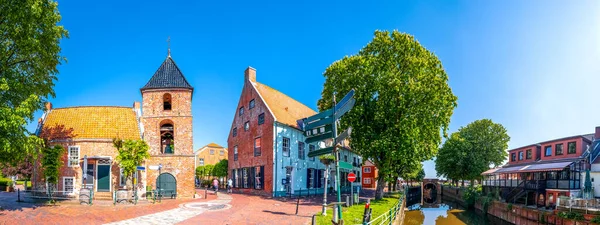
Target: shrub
(509, 207)
(471, 195)
(595, 220)
(571, 215)
(543, 218)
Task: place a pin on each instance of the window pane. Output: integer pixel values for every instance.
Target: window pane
(286, 147)
(301, 150)
(251, 105)
(548, 150)
(247, 125)
(241, 112)
(572, 148)
(310, 149)
(235, 131)
(261, 118)
(559, 149)
(235, 153)
(257, 151)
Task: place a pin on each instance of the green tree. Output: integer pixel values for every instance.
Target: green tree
(29, 56)
(403, 101)
(208, 170)
(220, 169)
(132, 153)
(51, 163)
(200, 171)
(472, 150)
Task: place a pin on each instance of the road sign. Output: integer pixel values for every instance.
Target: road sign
(319, 152)
(153, 167)
(319, 123)
(344, 100)
(345, 165)
(141, 168)
(319, 138)
(351, 177)
(319, 130)
(344, 109)
(343, 136)
(318, 116)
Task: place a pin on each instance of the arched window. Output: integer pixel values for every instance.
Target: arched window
(167, 145)
(167, 101)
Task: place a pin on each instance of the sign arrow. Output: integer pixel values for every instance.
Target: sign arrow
(344, 109)
(343, 135)
(344, 100)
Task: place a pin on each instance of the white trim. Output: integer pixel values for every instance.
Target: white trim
(64, 186)
(69, 155)
(367, 179)
(365, 169)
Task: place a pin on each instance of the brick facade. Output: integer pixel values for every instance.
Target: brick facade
(244, 140)
(180, 164)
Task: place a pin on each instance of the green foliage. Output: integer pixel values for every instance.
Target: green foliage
(403, 101)
(471, 150)
(208, 170)
(51, 162)
(132, 153)
(200, 171)
(595, 220)
(354, 214)
(220, 169)
(509, 207)
(571, 215)
(543, 218)
(29, 56)
(471, 195)
(327, 159)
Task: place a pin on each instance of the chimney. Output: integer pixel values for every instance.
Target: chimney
(48, 106)
(597, 133)
(250, 74)
(136, 109)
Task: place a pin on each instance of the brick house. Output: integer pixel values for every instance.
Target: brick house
(268, 152)
(163, 120)
(369, 171)
(210, 154)
(539, 173)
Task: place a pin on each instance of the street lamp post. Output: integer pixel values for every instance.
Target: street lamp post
(326, 175)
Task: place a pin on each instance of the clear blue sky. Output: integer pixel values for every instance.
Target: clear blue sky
(531, 65)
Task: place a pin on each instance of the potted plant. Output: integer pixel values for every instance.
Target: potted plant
(327, 159)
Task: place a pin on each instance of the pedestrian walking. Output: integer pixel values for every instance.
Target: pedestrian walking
(229, 186)
(216, 185)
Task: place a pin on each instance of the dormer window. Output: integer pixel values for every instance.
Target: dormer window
(167, 101)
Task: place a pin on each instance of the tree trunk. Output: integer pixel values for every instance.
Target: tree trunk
(380, 186)
(463, 183)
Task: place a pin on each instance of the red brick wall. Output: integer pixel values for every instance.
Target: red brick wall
(580, 148)
(181, 163)
(245, 139)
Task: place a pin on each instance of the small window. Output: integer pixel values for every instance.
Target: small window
(528, 154)
(513, 157)
(559, 149)
(548, 150)
(167, 101)
(257, 147)
(68, 183)
(122, 178)
(247, 126)
(367, 180)
(241, 112)
(261, 118)
(286, 147)
(251, 104)
(221, 152)
(258, 177)
(212, 151)
(520, 155)
(345, 158)
(301, 154)
(367, 170)
(73, 156)
(234, 132)
(201, 161)
(310, 149)
(235, 153)
(572, 149)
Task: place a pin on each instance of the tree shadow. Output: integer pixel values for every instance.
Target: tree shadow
(55, 133)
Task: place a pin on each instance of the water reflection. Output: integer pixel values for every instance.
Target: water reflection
(447, 213)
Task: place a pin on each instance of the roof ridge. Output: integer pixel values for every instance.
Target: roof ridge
(168, 75)
(287, 96)
(181, 72)
(93, 106)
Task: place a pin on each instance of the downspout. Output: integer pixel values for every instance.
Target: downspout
(275, 158)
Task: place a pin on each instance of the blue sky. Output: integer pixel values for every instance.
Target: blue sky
(531, 65)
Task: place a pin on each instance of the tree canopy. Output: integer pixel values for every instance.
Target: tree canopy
(472, 150)
(29, 56)
(403, 101)
(220, 169)
(132, 153)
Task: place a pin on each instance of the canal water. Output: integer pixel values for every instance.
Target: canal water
(446, 212)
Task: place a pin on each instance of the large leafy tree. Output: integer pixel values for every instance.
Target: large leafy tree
(220, 169)
(132, 153)
(29, 56)
(23, 168)
(403, 101)
(472, 150)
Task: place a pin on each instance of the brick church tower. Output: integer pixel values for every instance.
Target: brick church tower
(167, 128)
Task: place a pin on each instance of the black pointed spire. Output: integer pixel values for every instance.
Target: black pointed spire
(168, 75)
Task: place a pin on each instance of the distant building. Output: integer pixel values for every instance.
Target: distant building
(210, 154)
(369, 175)
(538, 174)
(268, 154)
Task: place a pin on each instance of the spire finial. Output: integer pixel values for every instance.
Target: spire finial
(169, 45)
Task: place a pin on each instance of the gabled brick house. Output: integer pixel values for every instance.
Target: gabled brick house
(163, 120)
(267, 151)
(369, 171)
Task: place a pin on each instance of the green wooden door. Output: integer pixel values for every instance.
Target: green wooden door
(167, 185)
(103, 178)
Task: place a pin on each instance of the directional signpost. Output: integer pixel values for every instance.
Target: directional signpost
(323, 126)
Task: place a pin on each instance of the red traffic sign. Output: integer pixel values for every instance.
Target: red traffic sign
(351, 177)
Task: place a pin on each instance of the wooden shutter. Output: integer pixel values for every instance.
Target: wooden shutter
(252, 177)
(308, 177)
(262, 177)
(320, 178)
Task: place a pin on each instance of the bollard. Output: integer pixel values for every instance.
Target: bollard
(297, 203)
(206, 192)
(366, 213)
(335, 213)
(19, 195)
(347, 201)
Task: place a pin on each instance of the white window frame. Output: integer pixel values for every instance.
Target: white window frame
(201, 161)
(221, 152)
(211, 151)
(64, 186)
(366, 180)
(367, 170)
(69, 156)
